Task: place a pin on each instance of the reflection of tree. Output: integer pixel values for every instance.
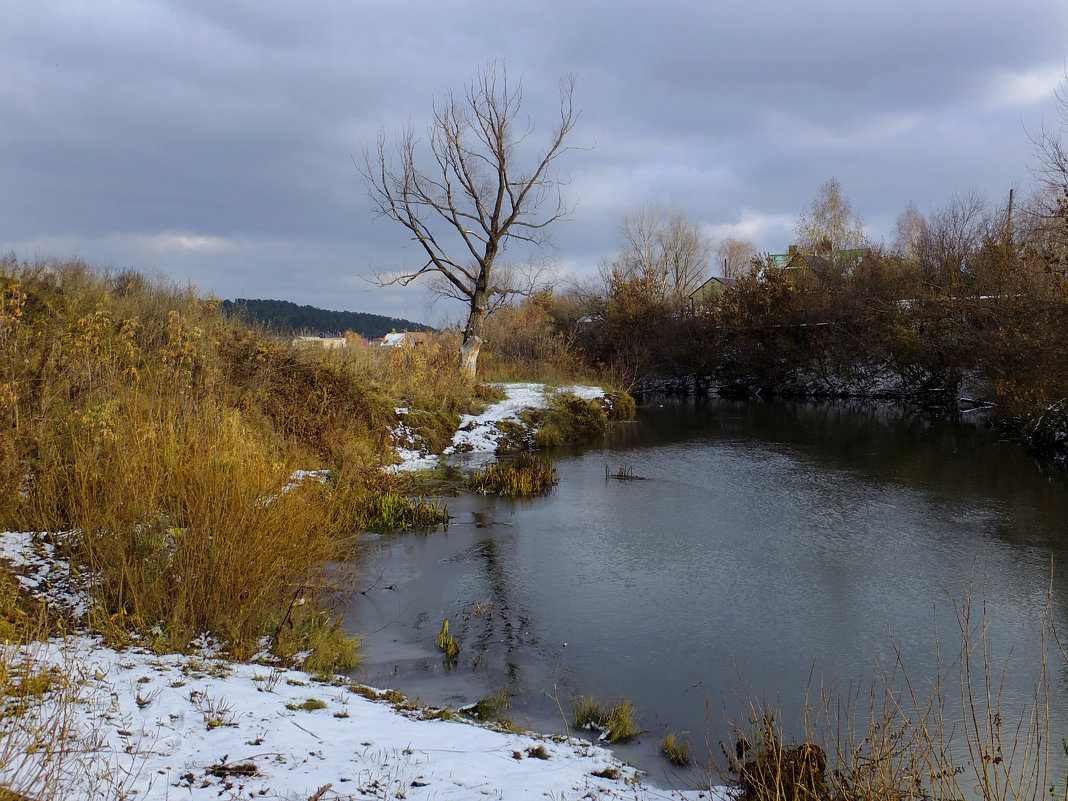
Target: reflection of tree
(886, 444)
(502, 624)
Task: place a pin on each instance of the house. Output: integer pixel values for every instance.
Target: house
(324, 342)
(820, 262)
(394, 339)
(810, 275)
(711, 291)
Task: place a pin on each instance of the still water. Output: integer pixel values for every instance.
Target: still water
(763, 548)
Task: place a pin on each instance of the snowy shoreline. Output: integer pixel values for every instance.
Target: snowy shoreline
(480, 433)
(198, 726)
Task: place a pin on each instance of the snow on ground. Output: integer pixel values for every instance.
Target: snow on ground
(410, 448)
(41, 573)
(168, 727)
(479, 433)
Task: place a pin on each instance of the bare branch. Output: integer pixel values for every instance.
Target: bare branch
(471, 198)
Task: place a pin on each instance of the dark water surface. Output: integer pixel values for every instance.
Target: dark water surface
(769, 546)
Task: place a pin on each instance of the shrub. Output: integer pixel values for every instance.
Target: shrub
(771, 771)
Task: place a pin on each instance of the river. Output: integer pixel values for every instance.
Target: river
(762, 548)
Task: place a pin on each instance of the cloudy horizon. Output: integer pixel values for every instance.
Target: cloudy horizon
(213, 141)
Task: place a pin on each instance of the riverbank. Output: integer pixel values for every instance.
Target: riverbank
(132, 721)
(1044, 432)
(481, 434)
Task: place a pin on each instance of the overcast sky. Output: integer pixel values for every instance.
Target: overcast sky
(213, 140)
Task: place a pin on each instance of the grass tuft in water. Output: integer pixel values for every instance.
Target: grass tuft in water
(392, 510)
(446, 642)
(494, 708)
(618, 722)
(675, 747)
(527, 474)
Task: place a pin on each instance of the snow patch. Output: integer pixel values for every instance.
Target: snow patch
(478, 433)
(160, 727)
(33, 560)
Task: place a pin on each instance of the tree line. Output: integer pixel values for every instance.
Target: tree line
(970, 298)
(287, 318)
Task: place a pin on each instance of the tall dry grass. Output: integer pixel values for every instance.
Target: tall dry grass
(525, 342)
(133, 413)
(950, 735)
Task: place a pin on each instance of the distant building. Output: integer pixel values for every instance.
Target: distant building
(843, 261)
(711, 291)
(394, 339)
(323, 342)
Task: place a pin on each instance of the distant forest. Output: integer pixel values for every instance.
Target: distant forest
(284, 317)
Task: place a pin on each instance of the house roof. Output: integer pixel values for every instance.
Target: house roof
(393, 339)
(714, 284)
(820, 263)
(806, 258)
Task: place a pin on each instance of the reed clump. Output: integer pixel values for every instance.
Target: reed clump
(525, 475)
(677, 750)
(617, 722)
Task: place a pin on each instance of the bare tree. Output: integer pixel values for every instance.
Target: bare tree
(951, 237)
(666, 251)
(735, 256)
(510, 281)
(473, 196)
(909, 230)
(829, 223)
(1050, 205)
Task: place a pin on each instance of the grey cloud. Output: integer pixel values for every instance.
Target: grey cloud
(129, 125)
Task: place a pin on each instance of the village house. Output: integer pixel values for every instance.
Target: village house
(394, 339)
(323, 342)
(711, 292)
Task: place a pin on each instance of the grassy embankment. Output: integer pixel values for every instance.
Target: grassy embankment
(162, 436)
(157, 440)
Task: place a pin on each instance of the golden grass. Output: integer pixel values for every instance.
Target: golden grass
(525, 475)
(134, 414)
(618, 722)
(675, 747)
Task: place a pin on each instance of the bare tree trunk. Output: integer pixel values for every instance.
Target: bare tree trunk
(473, 331)
(469, 356)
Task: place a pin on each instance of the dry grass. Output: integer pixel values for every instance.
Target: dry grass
(948, 736)
(41, 737)
(525, 475)
(165, 435)
(675, 747)
(524, 342)
(617, 723)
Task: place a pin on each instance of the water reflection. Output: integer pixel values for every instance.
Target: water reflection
(767, 544)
